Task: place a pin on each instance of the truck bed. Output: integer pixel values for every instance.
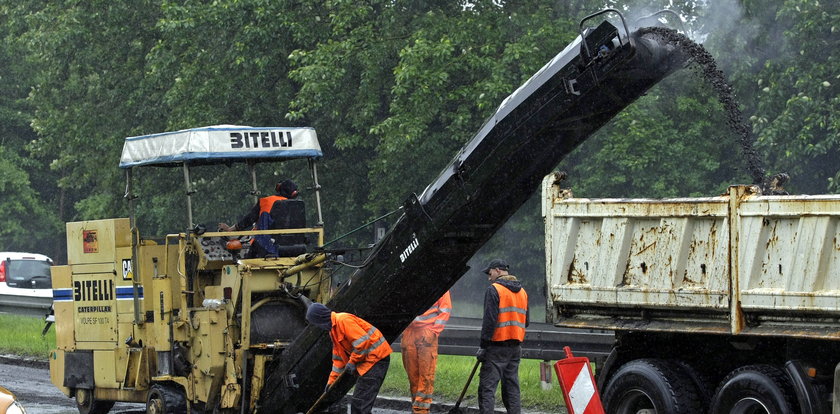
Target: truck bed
(738, 263)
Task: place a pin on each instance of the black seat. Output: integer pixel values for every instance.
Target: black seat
(289, 214)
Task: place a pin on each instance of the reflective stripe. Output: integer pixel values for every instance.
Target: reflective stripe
(511, 323)
(438, 311)
(421, 405)
(336, 369)
(427, 317)
(422, 395)
(372, 347)
(337, 357)
(359, 341)
(440, 322)
(514, 309)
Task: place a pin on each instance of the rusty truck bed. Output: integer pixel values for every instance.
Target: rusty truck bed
(735, 263)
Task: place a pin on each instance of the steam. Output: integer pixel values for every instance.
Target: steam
(696, 19)
(721, 15)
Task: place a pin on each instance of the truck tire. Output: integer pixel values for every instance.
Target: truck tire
(704, 385)
(651, 386)
(755, 389)
(86, 404)
(165, 399)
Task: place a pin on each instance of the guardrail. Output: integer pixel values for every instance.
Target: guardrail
(542, 341)
(25, 305)
(461, 337)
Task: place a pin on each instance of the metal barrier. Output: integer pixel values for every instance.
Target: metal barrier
(25, 305)
(461, 337)
(542, 341)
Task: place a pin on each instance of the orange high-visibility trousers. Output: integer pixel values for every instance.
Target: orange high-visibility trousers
(419, 347)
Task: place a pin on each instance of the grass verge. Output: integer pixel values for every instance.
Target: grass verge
(452, 373)
(21, 335)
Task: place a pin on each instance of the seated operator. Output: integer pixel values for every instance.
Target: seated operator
(279, 211)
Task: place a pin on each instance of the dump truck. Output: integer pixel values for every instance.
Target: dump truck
(188, 322)
(724, 304)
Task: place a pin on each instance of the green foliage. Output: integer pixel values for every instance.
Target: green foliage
(658, 147)
(393, 88)
(798, 112)
(27, 222)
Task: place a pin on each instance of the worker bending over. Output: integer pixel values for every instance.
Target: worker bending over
(419, 346)
(358, 348)
(502, 332)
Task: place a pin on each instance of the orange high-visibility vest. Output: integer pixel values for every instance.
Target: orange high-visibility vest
(266, 203)
(356, 344)
(435, 318)
(513, 311)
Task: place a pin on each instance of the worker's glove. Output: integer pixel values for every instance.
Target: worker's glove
(480, 355)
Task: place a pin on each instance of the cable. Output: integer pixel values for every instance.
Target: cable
(362, 226)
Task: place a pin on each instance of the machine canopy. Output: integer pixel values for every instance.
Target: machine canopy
(220, 144)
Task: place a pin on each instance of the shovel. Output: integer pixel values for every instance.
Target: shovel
(456, 409)
(321, 398)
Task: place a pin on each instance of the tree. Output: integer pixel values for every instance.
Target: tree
(28, 224)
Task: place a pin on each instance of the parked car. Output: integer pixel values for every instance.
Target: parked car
(8, 403)
(25, 274)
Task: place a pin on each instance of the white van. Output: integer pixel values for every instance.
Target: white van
(25, 274)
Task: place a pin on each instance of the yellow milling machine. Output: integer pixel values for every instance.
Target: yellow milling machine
(178, 323)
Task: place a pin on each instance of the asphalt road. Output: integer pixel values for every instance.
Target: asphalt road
(36, 393)
(31, 384)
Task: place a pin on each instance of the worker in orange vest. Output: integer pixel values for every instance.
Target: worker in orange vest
(419, 346)
(502, 331)
(264, 215)
(358, 348)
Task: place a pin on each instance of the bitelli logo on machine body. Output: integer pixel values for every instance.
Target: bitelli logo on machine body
(410, 249)
(93, 297)
(95, 290)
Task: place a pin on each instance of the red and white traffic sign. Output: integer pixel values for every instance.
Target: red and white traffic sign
(578, 384)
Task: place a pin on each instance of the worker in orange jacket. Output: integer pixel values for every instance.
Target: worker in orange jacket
(262, 217)
(358, 348)
(419, 348)
(502, 332)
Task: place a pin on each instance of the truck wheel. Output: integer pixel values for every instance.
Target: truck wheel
(754, 389)
(702, 382)
(651, 386)
(89, 405)
(164, 399)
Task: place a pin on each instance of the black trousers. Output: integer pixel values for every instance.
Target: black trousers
(501, 364)
(367, 387)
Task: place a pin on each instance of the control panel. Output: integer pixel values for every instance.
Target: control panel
(215, 249)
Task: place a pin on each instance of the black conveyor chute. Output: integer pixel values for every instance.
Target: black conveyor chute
(427, 249)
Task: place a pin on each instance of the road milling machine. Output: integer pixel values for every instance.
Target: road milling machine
(186, 324)
(179, 322)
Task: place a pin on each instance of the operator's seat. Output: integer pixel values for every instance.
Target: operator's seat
(289, 214)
